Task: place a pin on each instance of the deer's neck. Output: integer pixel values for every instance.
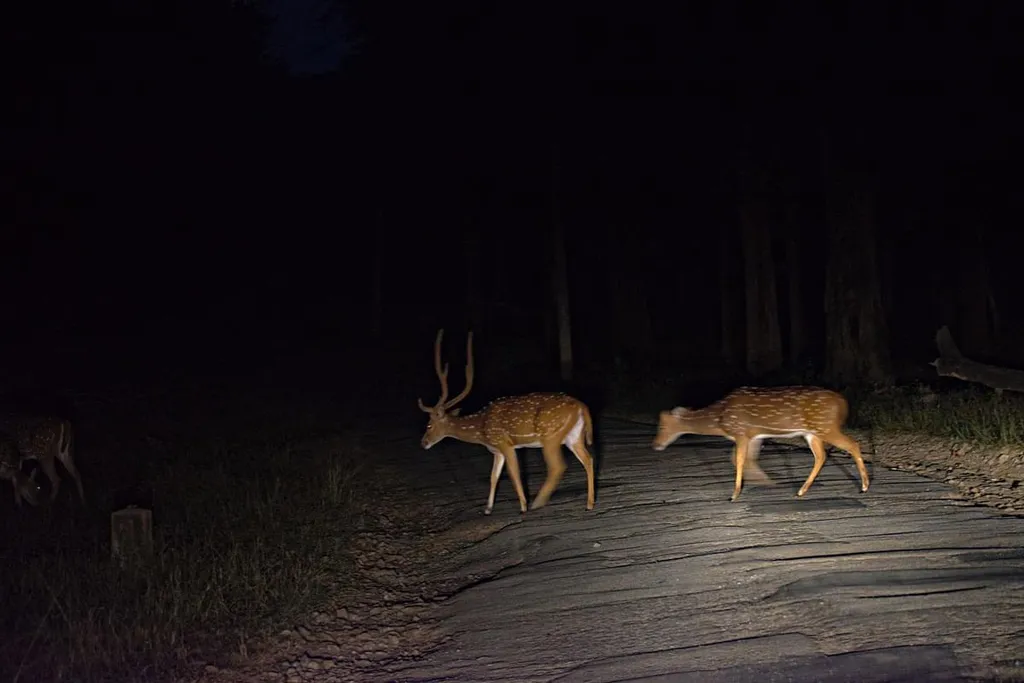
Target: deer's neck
(469, 428)
(706, 421)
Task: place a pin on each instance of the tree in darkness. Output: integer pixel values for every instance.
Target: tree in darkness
(975, 318)
(730, 321)
(634, 338)
(794, 281)
(856, 334)
(763, 337)
(560, 273)
(764, 340)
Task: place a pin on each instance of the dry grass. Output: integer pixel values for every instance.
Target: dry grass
(250, 534)
(974, 415)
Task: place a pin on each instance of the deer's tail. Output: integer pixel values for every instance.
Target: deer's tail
(588, 425)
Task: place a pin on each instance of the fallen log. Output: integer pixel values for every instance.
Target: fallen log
(951, 363)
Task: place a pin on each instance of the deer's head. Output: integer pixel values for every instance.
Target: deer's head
(441, 413)
(671, 425)
(29, 488)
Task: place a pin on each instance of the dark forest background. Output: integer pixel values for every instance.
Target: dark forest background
(742, 189)
(231, 229)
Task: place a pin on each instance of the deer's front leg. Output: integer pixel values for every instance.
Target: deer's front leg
(499, 463)
(513, 473)
(818, 448)
(739, 456)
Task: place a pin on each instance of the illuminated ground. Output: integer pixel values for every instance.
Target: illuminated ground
(667, 580)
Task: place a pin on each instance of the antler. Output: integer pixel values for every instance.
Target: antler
(469, 373)
(442, 375)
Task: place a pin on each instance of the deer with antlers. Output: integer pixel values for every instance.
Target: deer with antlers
(538, 420)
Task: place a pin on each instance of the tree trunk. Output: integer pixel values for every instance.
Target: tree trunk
(561, 285)
(976, 317)
(885, 251)
(474, 297)
(560, 279)
(377, 284)
(764, 340)
(797, 341)
(632, 318)
(856, 338)
(730, 324)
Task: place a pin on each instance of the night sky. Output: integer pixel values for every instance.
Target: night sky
(230, 178)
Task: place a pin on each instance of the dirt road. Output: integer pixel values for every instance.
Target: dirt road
(666, 580)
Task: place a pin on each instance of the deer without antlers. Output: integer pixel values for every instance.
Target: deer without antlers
(749, 415)
(538, 420)
(46, 440)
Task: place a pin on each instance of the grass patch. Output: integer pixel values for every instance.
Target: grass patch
(973, 415)
(249, 535)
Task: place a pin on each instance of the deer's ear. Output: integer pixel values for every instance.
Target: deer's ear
(679, 411)
(454, 412)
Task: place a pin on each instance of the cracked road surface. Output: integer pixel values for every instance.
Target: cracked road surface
(665, 580)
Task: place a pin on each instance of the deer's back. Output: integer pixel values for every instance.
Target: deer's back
(35, 435)
(784, 410)
(525, 419)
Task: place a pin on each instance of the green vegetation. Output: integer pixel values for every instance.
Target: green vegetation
(250, 533)
(974, 415)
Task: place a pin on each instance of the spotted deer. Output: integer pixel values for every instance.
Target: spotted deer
(46, 440)
(538, 420)
(25, 486)
(749, 415)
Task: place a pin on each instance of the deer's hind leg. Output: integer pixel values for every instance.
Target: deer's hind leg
(555, 469)
(69, 465)
(580, 451)
(49, 467)
(850, 445)
(818, 448)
